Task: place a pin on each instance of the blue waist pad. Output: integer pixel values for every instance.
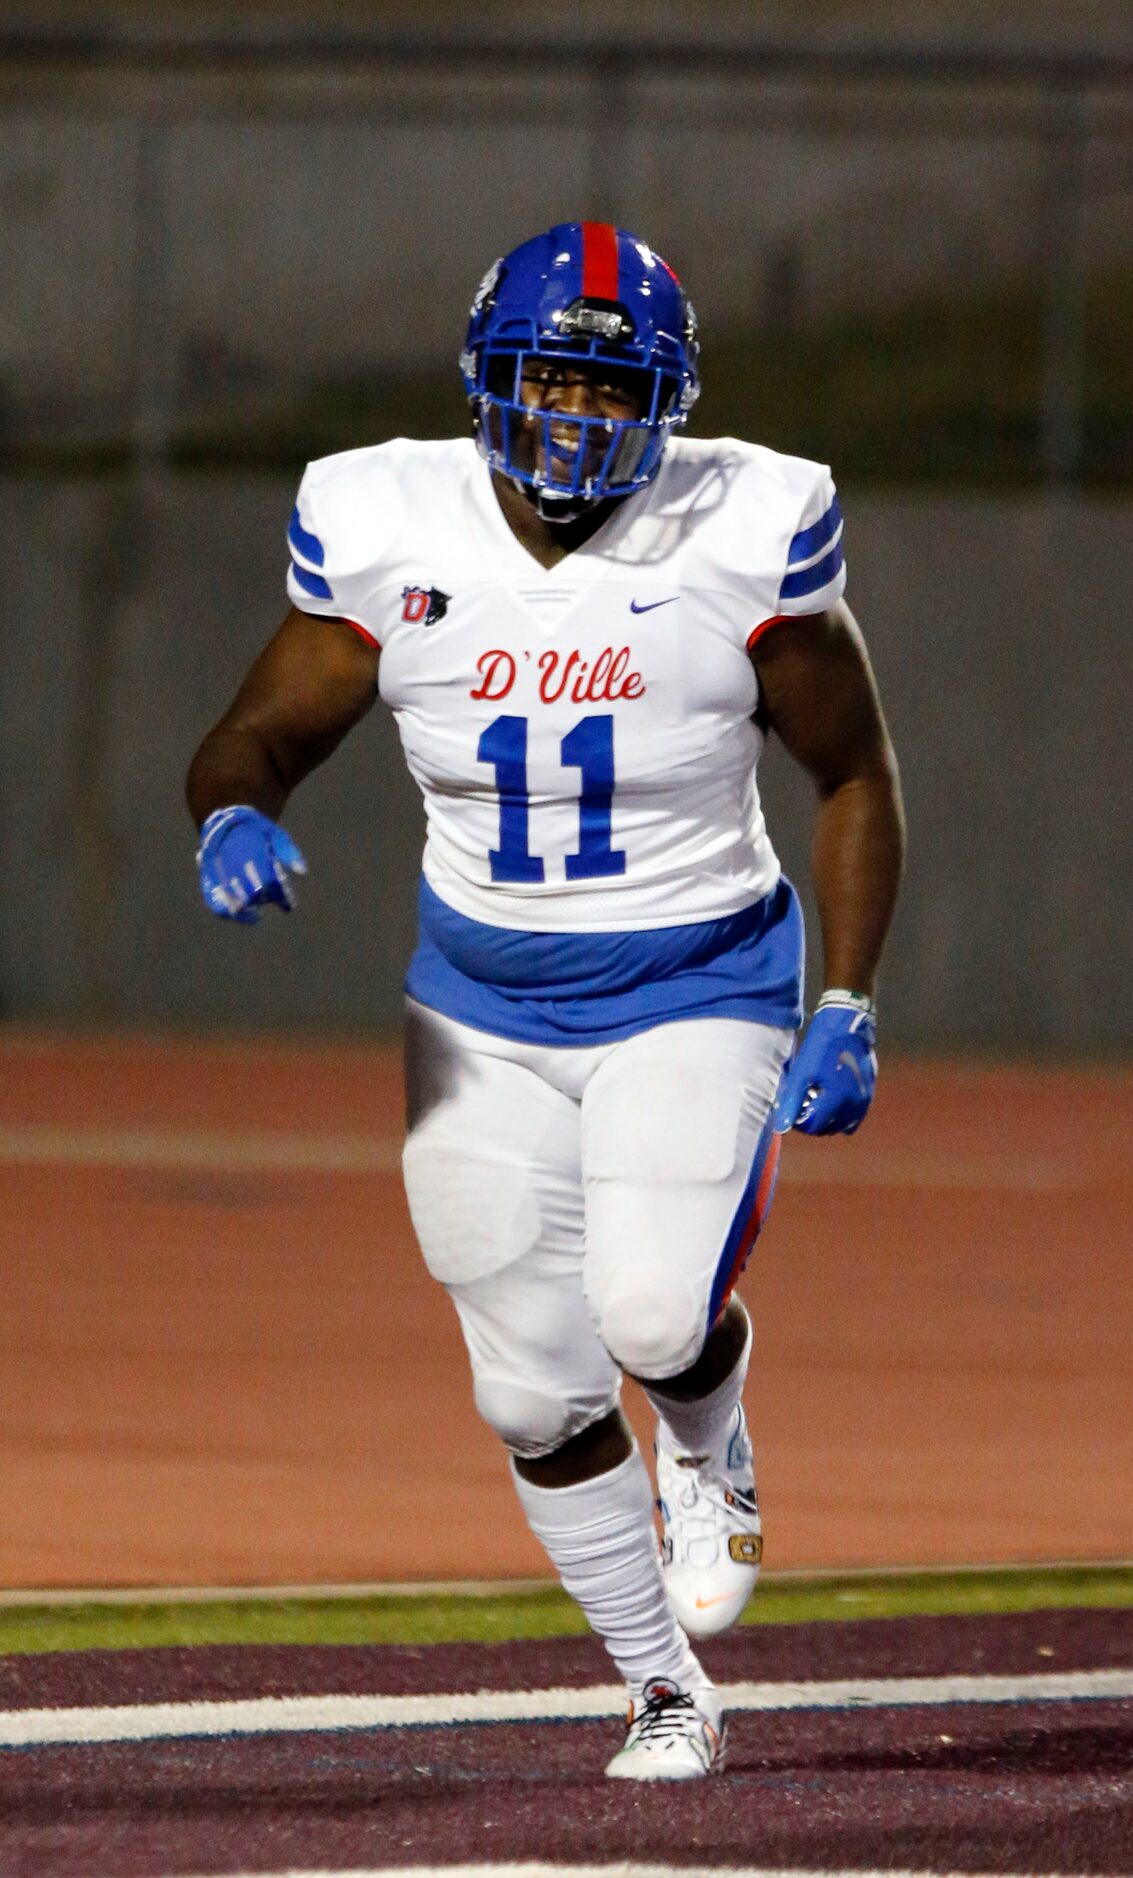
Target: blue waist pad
(586, 988)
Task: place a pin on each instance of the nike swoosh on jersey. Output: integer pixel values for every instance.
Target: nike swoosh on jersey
(650, 604)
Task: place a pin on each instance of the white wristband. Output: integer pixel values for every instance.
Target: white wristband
(848, 1000)
(219, 816)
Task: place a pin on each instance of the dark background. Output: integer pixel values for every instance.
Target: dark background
(236, 243)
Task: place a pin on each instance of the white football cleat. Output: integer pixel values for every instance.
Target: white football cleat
(713, 1540)
(672, 1733)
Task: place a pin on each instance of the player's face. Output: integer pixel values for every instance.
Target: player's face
(582, 390)
(564, 391)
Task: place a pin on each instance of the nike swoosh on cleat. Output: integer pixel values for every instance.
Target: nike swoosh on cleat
(650, 604)
(702, 1604)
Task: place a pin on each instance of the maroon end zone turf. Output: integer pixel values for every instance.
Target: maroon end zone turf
(1009, 1644)
(1006, 1788)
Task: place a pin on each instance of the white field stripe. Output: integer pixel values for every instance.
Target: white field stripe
(193, 1152)
(469, 1588)
(320, 1714)
(966, 1173)
(604, 1871)
(217, 1153)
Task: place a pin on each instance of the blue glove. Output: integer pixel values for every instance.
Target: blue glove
(829, 1086)
(245, 861)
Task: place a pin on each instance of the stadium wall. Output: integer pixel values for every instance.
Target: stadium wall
(133, 607)
(205, 216)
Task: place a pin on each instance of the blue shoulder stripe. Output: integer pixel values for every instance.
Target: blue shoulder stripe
(314, 584)
(303, 542)
(812, 579)
(808, 541)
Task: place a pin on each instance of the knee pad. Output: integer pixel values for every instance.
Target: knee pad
(652, 1323)
(472, 1216)
(529, 1421)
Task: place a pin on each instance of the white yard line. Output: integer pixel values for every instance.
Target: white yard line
(434, 1587)
(181, 1151)
(153, 1721)
(810, 1166)
(607, 1871)
(470, 1588)
(178, 1151)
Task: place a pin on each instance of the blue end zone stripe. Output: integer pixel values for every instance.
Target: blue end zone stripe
(812, 579)
(726, 1273)
(304, 543)
(314, 584)
(808, 541)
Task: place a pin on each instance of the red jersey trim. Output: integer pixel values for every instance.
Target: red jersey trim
(758, 631)
(357, 627)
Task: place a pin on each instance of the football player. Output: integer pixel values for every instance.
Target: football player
(586, 625)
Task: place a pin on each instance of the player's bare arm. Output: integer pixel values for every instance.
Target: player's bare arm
(820, 697)
(311, 684)
(818, 693)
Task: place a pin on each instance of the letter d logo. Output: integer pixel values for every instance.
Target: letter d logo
(497, 675)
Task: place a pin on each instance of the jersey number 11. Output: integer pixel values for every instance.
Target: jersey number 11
(589, 747)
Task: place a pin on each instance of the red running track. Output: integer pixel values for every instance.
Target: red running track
(218, 1369)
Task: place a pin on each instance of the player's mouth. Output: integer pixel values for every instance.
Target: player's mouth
(569, 442)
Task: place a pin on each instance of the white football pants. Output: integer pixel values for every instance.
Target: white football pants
(588, 1209)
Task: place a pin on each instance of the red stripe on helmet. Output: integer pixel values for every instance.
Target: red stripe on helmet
(599, 261)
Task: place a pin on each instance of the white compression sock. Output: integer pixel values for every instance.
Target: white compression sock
(599, 1537)
(702, 1427)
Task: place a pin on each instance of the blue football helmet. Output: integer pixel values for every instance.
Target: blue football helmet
(595, 294)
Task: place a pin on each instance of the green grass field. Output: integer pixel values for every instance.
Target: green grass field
(536, 1612)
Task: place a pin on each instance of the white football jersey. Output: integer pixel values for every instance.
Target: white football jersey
(583, 736)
